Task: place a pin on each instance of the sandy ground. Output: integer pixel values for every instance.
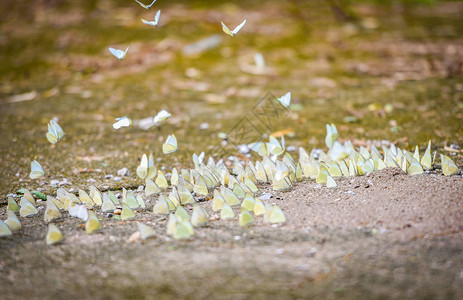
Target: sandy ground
(387, 235)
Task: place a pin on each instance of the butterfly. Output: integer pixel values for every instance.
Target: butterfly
(13, 222)
(246, 218)
(259, 60)
(4, 229)
(145, 6)
(156, 19)
(93, 223)
(161, 116)
(146, 169)
(233, 32)
(36, 170)
(52, 212)
(331, 135)
(170, 145)
(55, 132)
(285, 100)
(199, 217)
(227, 212)
(146, 231)
(54, 235)
(122, 122)
(119, 54)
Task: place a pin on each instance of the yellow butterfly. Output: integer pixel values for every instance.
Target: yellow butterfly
(4, 230)
(96, 196)
(12, 205)
(426, 160)
(199, 217)
(146, 169)
(233, 32)
(13, 222)
(107, 205)
(54, 235)
(55, 132)
(161, 207)
(217, 201)
(170, 145)
(246, 219)
(161, 180)
(259, 207)
(330, 183)
(27, 208)
(127, 213)
(93, 223)
(183, 230)
(151, 188)
(276, 215)
(448, 166)
(331, 135)
(86, 199)
(51, 212)
(146, 231)
(248, 203)
(230, 198)
(227, 212)
(181, 214)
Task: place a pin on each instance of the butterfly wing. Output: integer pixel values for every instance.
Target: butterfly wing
(143, 5)
(170, 145)
(238, 28)
(285, 100)
(148, 22)
(152, 3)
(226, 30)
(156, 18)
(119, 54)
(36, 170)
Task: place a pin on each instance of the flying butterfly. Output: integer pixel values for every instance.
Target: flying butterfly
(119, 54)
(170, 146)
(146, 6)
(161, 116)
(122, 122)
(156, 20)
(233, 32)
(55, 132)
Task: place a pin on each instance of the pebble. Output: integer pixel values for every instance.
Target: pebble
(54, 182)
(117, 211)
(91, 180)
(291, 148)
(109, 176)
(123, 172)
(140, 188)
(265, 196)
(237, 238)
(204, 126)
(117, 178)
(280, 251)
(311, 252)
(243, 149)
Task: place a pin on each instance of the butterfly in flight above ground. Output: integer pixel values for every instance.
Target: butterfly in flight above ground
(146, 6)
(156, 19)
(119, 54)
(233, 32)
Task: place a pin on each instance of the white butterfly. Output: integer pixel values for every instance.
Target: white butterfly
(285, 100)
(145, 6)
(170, 145)
(55, 132)
(233, 32)
(78, 211)
(161, 116)
(119, 54)
(156, 19)
(36, 170)
(122, 122)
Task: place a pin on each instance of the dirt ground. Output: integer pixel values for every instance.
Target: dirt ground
(386, 235)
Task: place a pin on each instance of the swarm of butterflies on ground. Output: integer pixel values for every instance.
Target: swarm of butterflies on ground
(230, 192)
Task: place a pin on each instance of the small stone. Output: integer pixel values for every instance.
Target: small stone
(243, 149)
(117, 178)
(140, 188)
(311, 252)
(91, 180)
(204, 126)
(291, 148)
(109, 176)
(280, 251)
(237, 238)
(54, 182)
(123, 172)
(265, 196)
